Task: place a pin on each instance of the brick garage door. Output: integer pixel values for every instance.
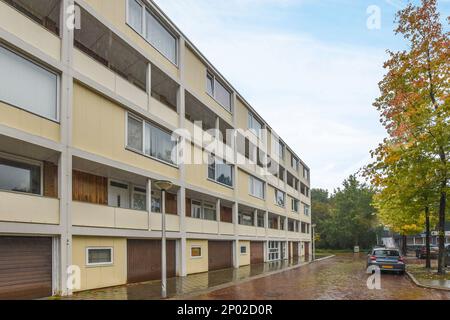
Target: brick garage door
(25, 267)
(144, 260)
(220, 255)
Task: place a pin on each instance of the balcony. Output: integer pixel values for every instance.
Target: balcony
(202, 226)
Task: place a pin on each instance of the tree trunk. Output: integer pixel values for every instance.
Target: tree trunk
(427, 237)
(404, 247)
(441, 229)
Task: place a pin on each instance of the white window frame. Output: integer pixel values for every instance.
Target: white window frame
(251, 120)
(133, 191)
(240, 250)
(202, 205)
(215, 173)
(101, 263)
(142, 151)
(24, 160)
(58, 86)
(213, 76)
(251, 192)
(293, 200)
(143, 32)
(196, 247)
(284, 198)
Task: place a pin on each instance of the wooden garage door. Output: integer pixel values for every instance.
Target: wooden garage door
(256, 252)
(220, 255)
(25, 267)
(144, 260)
(295, 249)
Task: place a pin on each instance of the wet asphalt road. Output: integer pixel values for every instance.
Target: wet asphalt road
(340, 278)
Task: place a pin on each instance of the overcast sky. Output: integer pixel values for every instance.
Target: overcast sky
(309, 67)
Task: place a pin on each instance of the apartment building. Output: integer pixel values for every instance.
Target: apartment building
(88, 111)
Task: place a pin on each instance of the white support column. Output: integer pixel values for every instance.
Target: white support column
(218, 204)
(266, 221)
(236, 253)
(65, 160)
(255, 218)
(181, 199)
(149, 86)
(279, 222)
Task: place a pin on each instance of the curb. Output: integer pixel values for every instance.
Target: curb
(417, 283)
(189, 296)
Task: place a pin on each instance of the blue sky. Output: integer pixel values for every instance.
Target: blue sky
(309, 67)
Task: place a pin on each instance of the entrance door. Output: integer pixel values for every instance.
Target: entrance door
(25, 267)
(220, 255)
(306, 249)
(295, 249)
(118, 195)
(256, 252)
(144, 260)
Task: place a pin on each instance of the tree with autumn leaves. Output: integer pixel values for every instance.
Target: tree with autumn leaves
(411, 167)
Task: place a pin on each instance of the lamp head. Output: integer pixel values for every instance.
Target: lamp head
(163, 185)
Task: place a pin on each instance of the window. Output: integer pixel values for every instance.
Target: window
(160, 37)
(20, 176)
(99, 256)
(294, 162)
(274, 250)
(141, 19)
(281, 149)
(295, 205)
(306, 209)
(150, 140)
(218, 91)
(139, 198)
(28, 86)
(281, 173)
(255, 125)
(279, 198)
(220, 172)
(256, 187)
(196, 252)
(245, 219)
(292, 181)
(304, 190)
(203, 210)
(243, 249)
(261, 220)
(305, 173)
(135, 15)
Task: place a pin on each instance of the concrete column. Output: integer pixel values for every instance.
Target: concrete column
(235, 216)
(149, 202)
(266, 220)
(149, 86)
(218, 210)
(286, 251)
(65, 159)
(181, 199)
(279, 222)
(255, 217)
(236, 253)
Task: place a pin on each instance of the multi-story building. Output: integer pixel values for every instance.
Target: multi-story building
(88, 111)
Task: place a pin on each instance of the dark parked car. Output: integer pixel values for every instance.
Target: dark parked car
(434, 251)
(386, 260)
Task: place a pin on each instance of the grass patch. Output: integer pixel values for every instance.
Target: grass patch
(420, 272)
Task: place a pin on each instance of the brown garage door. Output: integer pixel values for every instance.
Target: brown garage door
(25, 267)
(220, 255)
(256, 252)
(295, 249)
(144, 260)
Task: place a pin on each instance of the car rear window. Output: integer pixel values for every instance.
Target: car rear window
(386, 253)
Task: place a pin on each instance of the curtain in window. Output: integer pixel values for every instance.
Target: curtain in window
(28, 86)
(135, 15)
(159, 37)
(135, 133)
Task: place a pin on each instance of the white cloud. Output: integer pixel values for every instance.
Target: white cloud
(316, 95)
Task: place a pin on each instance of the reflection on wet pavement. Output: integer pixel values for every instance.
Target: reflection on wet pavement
(184, 285)
(341, 277)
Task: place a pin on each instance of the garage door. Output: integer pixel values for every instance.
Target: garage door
(25, 267)
(220, 255)
(144, 260)
(256, 252)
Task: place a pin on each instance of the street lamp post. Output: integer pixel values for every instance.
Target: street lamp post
(313, 242)
(163, 185)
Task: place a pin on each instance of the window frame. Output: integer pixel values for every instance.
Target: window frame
(133, 192)
(100, 264)
(215, 172)
(251, 185)
(142, 151)
(143, 33)
(202, 204)
(293, 200)
(57, 118)
(32, 162)
(276, 198)
(251, 120)
(196, 247)
(210, 74)
(245, 251)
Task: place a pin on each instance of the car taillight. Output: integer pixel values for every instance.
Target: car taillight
(373, 258)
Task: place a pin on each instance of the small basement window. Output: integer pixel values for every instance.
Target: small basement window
(243, 249)
(99, 256)
(196, 252)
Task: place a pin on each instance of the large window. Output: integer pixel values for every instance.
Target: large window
(203, 210)
(279, 198)
(274, 250)
(294, 162)
(218, 91)
(246, 219)
(256, 187)
(220, 172)
(306, 209)
(261, 220)
(150, 140)
(141, 19)
(295, 205)
(99, 256)
(27, 85)
(254, 125)
(20, 176)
